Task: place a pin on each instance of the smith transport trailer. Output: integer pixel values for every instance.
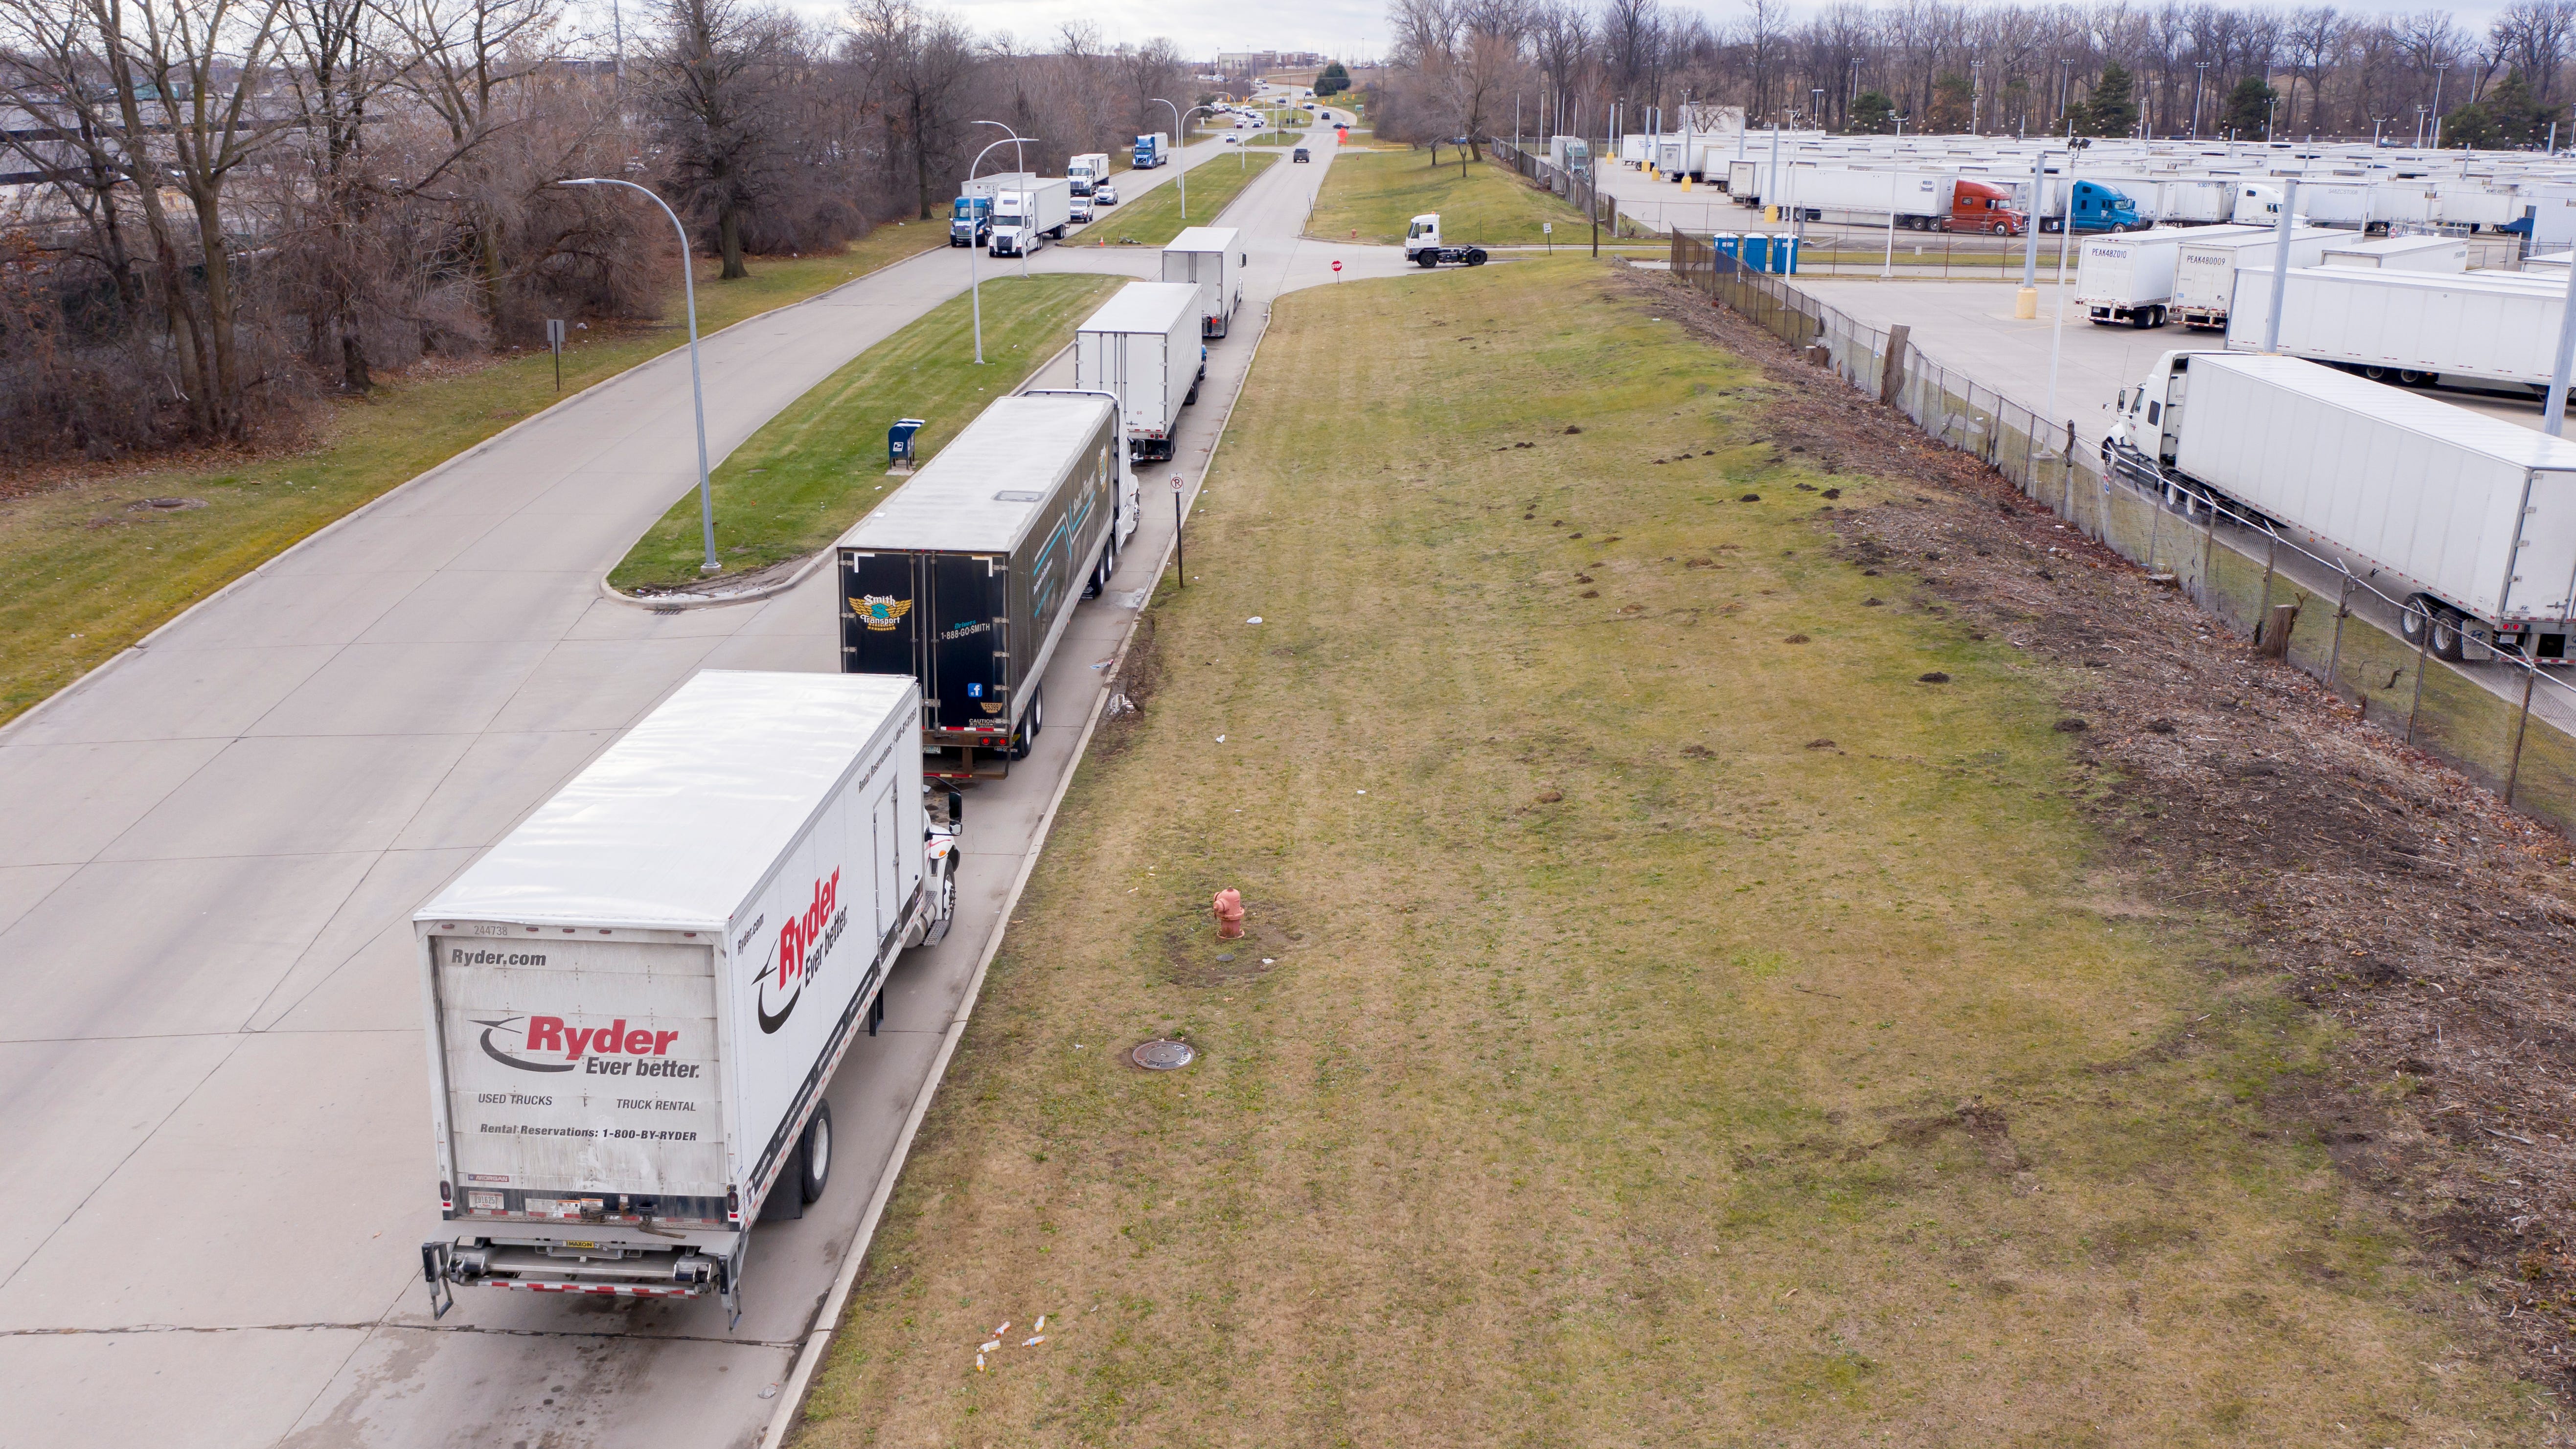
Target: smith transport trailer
(1143, 345)
(965, 577)
(1209, 257)
(637, 998)
(2130, 278)
(2471, 518)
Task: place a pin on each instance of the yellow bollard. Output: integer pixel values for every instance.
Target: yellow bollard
(1685, 181)
(1770, 213)
(2026, 303)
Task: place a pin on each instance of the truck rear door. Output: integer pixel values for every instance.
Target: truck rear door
(936, 617)
(580, 1067)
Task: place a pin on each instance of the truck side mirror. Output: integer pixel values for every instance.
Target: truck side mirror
(956, 809)
(2124, 401)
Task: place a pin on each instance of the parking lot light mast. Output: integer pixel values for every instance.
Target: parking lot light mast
(974, 278)
(1180, 138)
(697, 389)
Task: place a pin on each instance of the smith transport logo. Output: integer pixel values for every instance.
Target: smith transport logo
(802, 944)
(599, 1051)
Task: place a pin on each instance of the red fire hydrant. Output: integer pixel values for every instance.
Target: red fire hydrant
(1229, 913)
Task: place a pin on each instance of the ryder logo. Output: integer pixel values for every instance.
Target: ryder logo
(802, 944)
(600, 1051)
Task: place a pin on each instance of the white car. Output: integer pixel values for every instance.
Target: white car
(1081, 208)
(1104, 194)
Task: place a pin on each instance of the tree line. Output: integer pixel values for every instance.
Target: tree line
(1478, 68)
(217, 211)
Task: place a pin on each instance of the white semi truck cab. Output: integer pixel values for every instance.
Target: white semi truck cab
(1423, 248)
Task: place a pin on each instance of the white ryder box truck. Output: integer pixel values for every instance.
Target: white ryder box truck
(637, 998)
(2130, 277)
(1143, 345)
(2469, 517)
(1212, 258)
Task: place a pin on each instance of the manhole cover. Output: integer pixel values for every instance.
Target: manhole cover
(1163, 1056)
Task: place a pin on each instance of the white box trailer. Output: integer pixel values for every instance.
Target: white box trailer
(1744, 180)
(2489, 330)
(1920, 200)
(1143, 345)
(636, 999)
(2205, 272)
(2129, 277)
(1086, 171)
(2438, 254)
(1212, 258)
(2472, 518)
(2474, 206)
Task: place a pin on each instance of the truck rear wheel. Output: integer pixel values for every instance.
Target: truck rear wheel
(1475, 256)
(816, 1155)
(1027, 738)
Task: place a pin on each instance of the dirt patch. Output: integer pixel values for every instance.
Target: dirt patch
(1194, 955)
(2385, 891)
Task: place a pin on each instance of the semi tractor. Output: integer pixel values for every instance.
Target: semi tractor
(1918, 200)
(1210, 258)
(965, 577)
(2129, 279)
(1026, 218)
(2487, 331)
(1143, 345)
(1423, 247)
(2094, 207)
(1086, 171)
(636, 1001)
(1152, 149)
(2469, 519)
(970, 218)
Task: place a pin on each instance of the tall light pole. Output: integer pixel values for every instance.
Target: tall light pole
(1976, 97)
(2441, 71)
(1819, 93)
(1020, 164)
(974, 278)
(1180, 138)
(697, 389)
(2200, 82)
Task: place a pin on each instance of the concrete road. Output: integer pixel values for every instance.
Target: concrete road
(217, 1148)
(1969, 327)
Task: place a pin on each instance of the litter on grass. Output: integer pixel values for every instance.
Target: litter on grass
(988, 1347)
(1255, 619)
(1033, 1342)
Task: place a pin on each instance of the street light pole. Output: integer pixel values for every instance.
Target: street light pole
(697, 389)
(974, 276)
(2441, 72)
(1180, 138)
(2200, 82)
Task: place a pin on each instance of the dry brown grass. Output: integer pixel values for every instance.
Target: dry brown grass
(1689, 1035)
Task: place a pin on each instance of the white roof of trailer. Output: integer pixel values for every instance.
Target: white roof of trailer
(677, 823)
(2512, 283)
(1146, 307)
(1203, 239)
(984, 489)
(2491, 437)
(2400, 245)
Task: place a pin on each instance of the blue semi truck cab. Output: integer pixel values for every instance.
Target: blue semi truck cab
(2097, 208)
(970, 221)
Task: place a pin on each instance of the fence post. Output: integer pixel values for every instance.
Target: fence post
(2208, 547)
(2423, 654)
(2069, 510)
(2334, 654)
(1892, 376)
(2155, 526)
(2513, 775)
(2263, 610)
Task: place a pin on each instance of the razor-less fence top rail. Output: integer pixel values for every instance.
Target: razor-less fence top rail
(2496, 717)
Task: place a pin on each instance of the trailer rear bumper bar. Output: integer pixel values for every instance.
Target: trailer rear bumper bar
(649, 1273)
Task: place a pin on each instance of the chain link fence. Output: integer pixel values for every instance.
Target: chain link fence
(1575, 187)
(2491, 715)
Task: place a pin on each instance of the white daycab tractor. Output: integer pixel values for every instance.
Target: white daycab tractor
(1422, 245)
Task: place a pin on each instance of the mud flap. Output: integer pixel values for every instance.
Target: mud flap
(434, 1258)
(729, 1278)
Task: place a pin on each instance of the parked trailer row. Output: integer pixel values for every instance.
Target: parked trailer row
(2469, 519)
(2493, 331)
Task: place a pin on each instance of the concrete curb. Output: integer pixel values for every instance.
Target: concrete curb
(594, 390)
(682, 603)
(809, 1360)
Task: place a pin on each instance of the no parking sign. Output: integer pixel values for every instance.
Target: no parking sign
(1337, 269)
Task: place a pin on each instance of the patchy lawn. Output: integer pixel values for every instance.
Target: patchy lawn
(1686, 998)
(1152, 218)
(817, 467)
(1377, 193)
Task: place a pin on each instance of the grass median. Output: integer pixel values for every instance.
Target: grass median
(1683, 1001)
(815, 468)
(93, 567)
(1153, 217)
(1377, 193)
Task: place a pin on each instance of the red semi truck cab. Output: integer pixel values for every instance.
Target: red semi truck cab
(1979, 207)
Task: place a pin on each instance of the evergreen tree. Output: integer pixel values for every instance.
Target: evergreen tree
(2248, 107)
(1872, 114)
(1953, 103)
(2503, 118)
(2111, 110)
(1334, 80)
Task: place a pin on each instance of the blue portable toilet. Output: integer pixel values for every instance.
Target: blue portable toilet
(899, 441)
(1784, 256)
(1729, 246)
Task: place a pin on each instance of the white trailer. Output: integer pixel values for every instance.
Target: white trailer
(1086, 171)
(1027, 216)
(637, 999)
(1212, 257)
(2489, 330)
(2129, 277)
(1744, 180)
(1143, 345)
(2401, 254)
(2205, 273)
(1920, 200)
(2471, 518)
